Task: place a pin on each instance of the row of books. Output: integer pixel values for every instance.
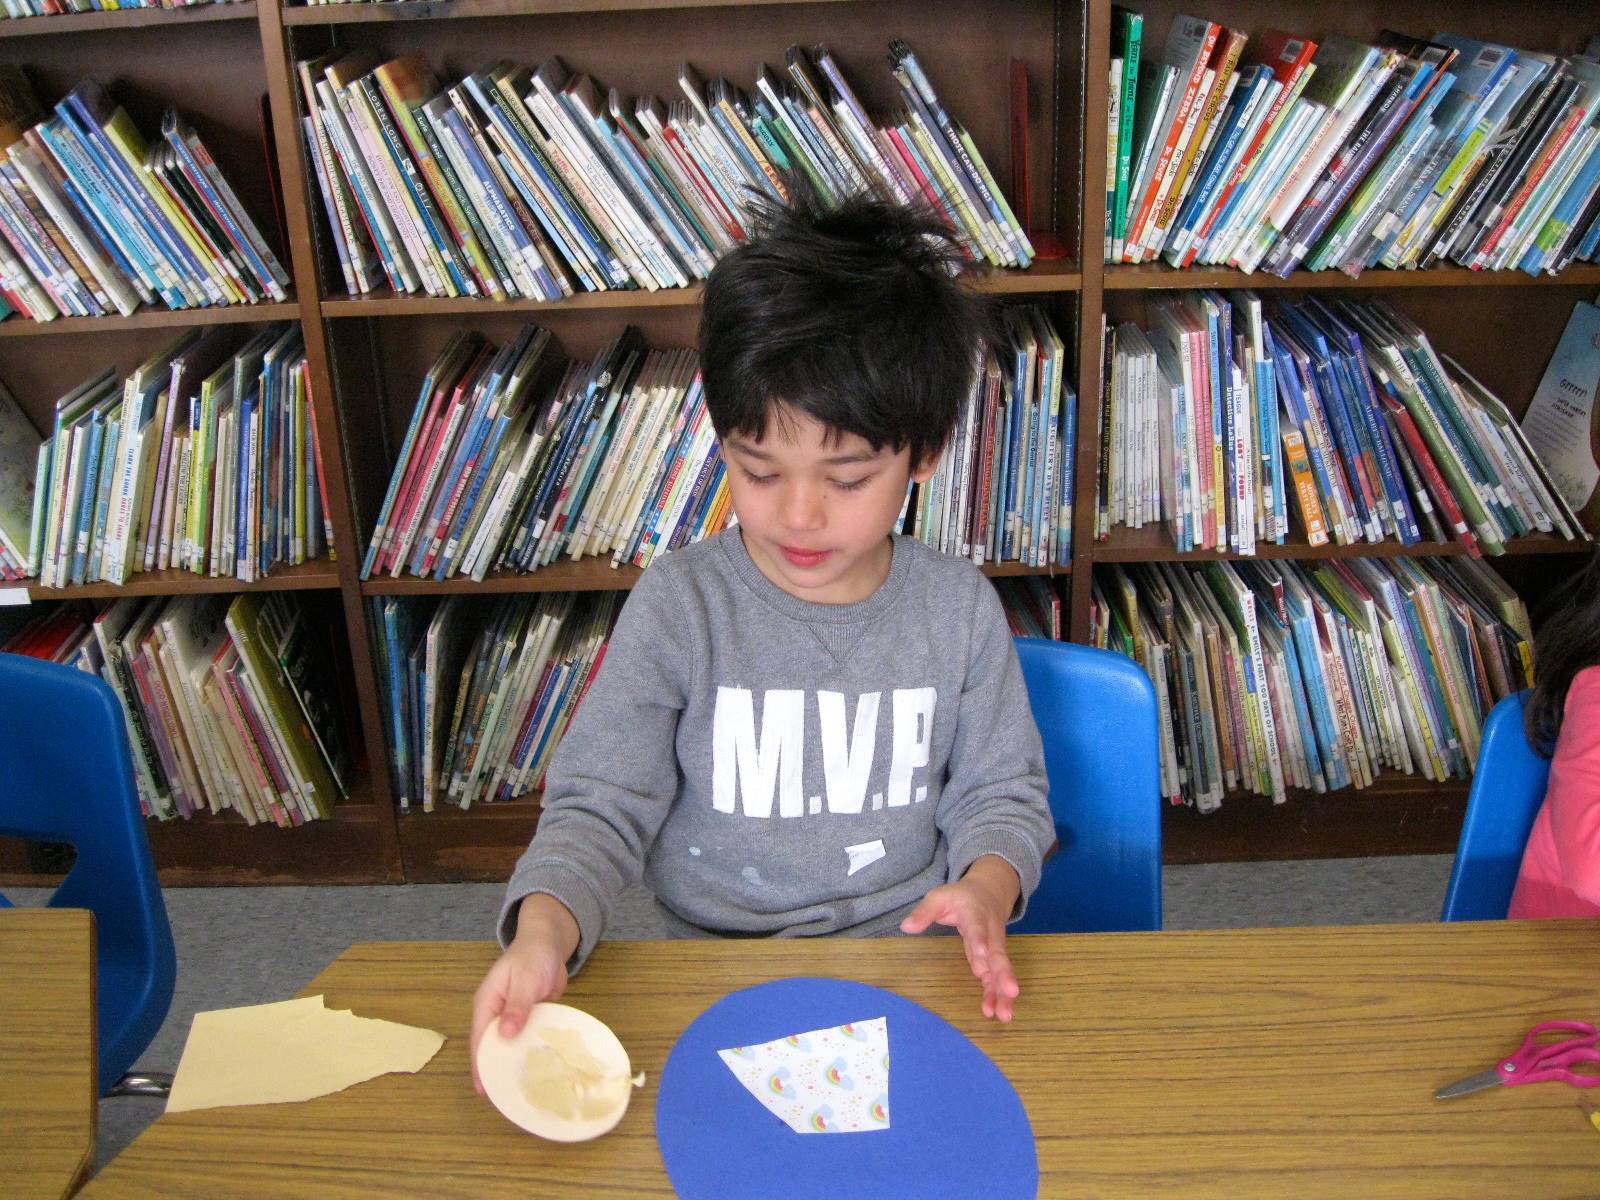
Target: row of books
(205, 459)
(1281, 153)
(514, 458)
(1034, 606)
(1003, 488)
(95, 220)
(1228, 417)
(41, 8)
(511, 184)
(478, 692)
(230, 703)
(1277, 675)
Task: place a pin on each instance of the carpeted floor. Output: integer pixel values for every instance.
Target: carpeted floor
(250, 945)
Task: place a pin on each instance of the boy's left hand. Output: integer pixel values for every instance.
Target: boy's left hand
(978, 905)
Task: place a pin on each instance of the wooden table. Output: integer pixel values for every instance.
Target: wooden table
(47, 1051)
(1271, 1063)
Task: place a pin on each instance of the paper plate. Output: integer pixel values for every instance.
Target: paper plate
(503, 1062)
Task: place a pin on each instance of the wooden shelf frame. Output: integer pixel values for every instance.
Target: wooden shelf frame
(152, 318)
(447, 10)
(310, 576)
(346, 338)
(1042, 279)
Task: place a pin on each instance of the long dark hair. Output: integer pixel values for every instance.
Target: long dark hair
(1568, 642)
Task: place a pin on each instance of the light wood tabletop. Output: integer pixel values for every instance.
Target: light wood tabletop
(1247, 1063)
(47, 1050)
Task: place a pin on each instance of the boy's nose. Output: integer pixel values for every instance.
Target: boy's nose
(802, 509)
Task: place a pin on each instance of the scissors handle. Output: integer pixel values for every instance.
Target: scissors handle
(1537, 1062)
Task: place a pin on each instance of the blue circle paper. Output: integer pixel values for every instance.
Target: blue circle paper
(956, 1126)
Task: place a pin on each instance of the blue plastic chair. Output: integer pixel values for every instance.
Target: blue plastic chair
(66, 775)
(1507, 789)
(1096, 712)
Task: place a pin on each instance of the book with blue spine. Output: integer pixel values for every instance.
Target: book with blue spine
(87, 110)
(560, 217)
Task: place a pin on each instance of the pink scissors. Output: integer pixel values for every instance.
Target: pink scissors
(1538, 1062)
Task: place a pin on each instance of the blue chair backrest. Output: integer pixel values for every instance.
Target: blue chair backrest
(1507, 789)
(66, 775)
(1096, 712)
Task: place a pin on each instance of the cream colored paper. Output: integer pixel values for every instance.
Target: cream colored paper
(293, 1050)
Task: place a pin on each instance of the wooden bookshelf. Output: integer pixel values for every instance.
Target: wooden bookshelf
(367, 353)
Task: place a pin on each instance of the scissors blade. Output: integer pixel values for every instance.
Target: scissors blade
(1472, 1083)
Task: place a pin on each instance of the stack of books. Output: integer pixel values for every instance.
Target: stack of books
(229, 703)
(1280, 153)
(1033, 606)
(1230, 421)
(510, 184)
(40, 8)
(1277, 675)
(513, 459)
(479, 692)
(1003, 488)
(205, 459)
(96, 221)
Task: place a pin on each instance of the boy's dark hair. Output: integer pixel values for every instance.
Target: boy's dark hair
(1568, 642)
(853, 315)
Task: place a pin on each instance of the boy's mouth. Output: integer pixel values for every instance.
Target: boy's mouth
(804, 558)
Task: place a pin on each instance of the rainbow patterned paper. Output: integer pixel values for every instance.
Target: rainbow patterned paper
(833, 1080)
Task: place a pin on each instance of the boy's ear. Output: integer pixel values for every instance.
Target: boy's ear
(923, 471)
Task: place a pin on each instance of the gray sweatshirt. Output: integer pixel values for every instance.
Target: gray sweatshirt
(771, 766)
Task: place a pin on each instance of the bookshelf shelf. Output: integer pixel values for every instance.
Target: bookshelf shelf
(480, 844)
(305, 577)
(1041, 279)
(1398, 814)
(1152, 276)
(1154, 544)
(585, 575)
(167, 18)
(221, 850)
(436, 10)
(151, 318)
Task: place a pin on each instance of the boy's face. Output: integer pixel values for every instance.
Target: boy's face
(817, 506)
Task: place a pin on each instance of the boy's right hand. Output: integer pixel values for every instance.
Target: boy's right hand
(533, 968)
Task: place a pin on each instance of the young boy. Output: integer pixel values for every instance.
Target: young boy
(805, 724)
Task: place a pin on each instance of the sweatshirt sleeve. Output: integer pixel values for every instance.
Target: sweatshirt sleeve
(614, 776)
(1574, 794)
(995, 798)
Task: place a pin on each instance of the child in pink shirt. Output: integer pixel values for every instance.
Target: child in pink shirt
(1561, 867)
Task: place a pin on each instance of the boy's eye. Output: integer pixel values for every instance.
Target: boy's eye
(759, 480)
(852, 485)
